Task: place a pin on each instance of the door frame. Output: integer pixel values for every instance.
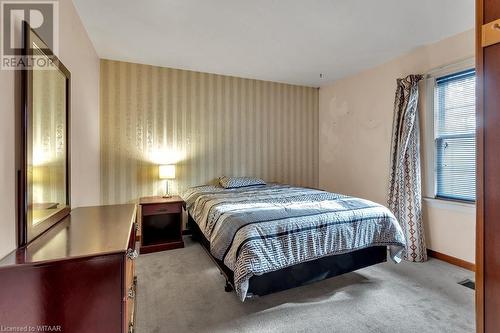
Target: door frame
(479, 171)
(488, 162)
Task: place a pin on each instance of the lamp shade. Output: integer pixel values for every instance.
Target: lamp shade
(167, 171)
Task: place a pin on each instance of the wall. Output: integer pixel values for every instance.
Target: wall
(355, 116)
(209, 125)
(78, 54)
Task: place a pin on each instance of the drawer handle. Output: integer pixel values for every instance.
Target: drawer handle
(132, 254)
(162, 210)
(131, 293)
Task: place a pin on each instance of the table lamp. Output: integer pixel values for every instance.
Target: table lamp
(167, 171)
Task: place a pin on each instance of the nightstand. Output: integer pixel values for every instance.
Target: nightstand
(161, 223)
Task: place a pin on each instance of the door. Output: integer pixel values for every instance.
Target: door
(488, 166)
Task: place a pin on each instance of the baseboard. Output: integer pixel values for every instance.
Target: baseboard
(452, 260)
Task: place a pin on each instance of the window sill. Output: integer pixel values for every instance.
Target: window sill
(465, 207)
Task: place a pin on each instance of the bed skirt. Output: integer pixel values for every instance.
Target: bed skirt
(300, 274)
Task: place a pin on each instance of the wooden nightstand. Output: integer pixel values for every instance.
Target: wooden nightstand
(161, 225)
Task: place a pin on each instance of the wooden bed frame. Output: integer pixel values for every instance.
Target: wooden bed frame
(296, 275)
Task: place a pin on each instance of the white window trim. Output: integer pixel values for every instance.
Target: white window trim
(428, 148)
(463, 207)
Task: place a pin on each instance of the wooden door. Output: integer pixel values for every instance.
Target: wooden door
(488, 166)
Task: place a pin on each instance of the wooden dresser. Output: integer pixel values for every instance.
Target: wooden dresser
(78, 275)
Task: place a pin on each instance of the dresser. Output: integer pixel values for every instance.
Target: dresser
(76, 277)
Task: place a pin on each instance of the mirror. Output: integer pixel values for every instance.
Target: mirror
(45, 175)
(47, 149)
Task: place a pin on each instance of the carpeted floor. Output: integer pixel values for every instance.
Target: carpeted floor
(182, 291)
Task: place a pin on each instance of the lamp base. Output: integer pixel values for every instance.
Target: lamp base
(166, 196)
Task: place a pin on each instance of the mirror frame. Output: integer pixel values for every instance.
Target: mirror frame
(26, 231)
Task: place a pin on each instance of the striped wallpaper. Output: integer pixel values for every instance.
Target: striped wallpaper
(208, 125)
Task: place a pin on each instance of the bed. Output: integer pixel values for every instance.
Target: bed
(272, 237)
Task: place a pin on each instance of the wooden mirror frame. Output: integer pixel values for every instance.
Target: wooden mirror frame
(24, 233)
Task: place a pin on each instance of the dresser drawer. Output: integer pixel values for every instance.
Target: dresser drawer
(158, 209)
(130, 258)
(130, 306)
(129, 272)
(130, 291)
(130, 315)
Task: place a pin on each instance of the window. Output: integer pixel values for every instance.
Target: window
(455, 136)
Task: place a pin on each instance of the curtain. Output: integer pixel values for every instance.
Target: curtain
(405, 197)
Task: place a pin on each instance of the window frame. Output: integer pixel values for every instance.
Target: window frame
(440, 138)
(429, 134)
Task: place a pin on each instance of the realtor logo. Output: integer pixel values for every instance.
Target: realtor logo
(43, 18)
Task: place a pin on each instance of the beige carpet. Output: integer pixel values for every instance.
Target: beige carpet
(182, 291)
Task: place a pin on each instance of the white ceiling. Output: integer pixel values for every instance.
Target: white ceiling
(290, 41)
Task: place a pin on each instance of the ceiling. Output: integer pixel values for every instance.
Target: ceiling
(290, 41)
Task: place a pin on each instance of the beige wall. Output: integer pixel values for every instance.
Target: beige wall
(78, 54)
(355, 120)
(209, 125)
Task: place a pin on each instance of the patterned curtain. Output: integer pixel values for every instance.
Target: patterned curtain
(405, 199)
